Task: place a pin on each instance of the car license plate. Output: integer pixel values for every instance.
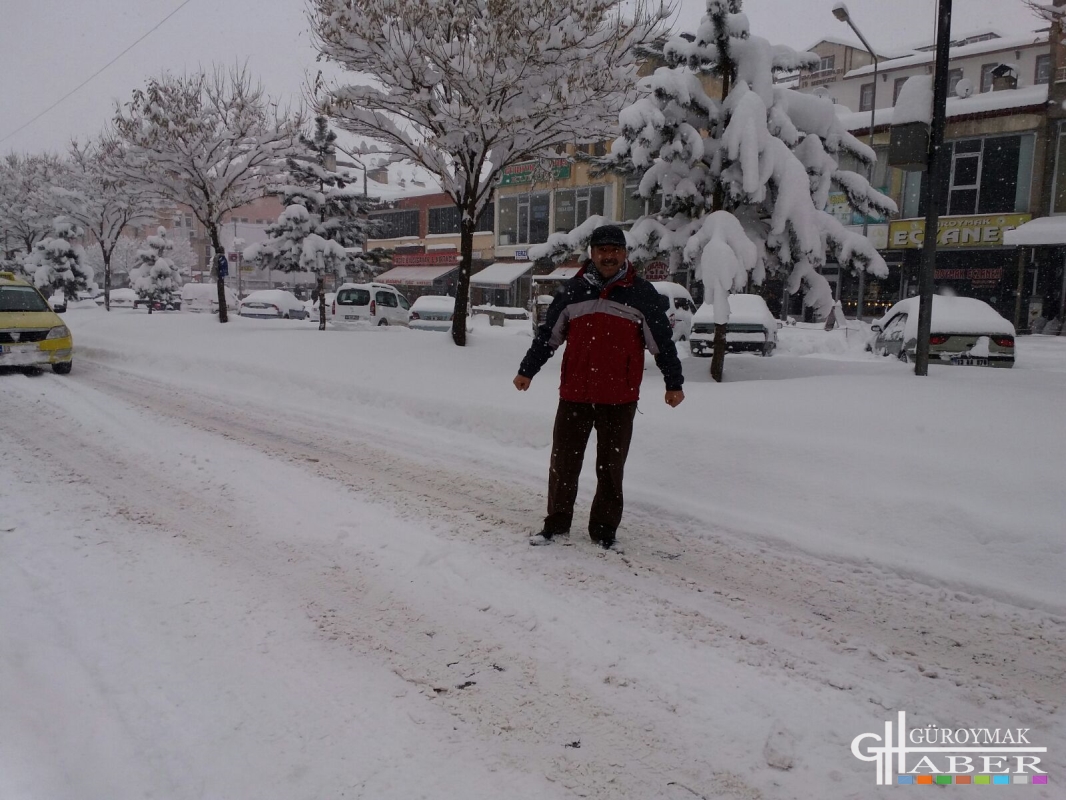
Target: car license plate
(351, 316)
(969, 361)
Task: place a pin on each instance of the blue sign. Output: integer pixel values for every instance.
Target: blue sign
(223, 265)
(521, 254)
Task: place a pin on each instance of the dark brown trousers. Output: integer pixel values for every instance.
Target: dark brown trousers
(614, 431)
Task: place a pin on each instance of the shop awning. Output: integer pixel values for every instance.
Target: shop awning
(414, 276)
(501, 275)
(1043, 231)
(560, 274)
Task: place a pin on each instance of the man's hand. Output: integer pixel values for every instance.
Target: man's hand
(521, 383)
(673, 399)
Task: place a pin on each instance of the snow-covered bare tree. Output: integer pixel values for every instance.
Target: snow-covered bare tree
(208, 142)
(156, 277)
(27, 203)
(745, 179)
(58, 261)
(103, 203)
(467, 88)
(324, 218)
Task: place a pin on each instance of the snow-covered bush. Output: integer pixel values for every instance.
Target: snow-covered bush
(58, 262)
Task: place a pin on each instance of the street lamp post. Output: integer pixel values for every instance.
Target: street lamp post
(840, 11)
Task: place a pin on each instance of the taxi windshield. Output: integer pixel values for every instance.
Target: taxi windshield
(21, 298)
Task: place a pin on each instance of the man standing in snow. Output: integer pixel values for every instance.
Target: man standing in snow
(607, 315)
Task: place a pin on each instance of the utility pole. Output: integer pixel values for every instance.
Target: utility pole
(932, 182)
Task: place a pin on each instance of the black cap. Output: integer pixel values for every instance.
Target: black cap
(607, 234)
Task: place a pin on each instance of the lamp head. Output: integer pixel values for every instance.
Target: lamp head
(840, 11)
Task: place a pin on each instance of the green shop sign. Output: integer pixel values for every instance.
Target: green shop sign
(556, 169)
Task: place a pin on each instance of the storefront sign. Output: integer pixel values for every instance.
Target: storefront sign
(425, 260)
(877, 234)
(978, 231)
(657, 271)
(981, 276)
(524, 172)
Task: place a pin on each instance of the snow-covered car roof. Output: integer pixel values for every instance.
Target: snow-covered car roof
(432, 302)
(743, 308)
(671, 289)
(951, 315)
(271, 296)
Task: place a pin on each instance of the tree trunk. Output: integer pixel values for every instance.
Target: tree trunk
(718, 355)
(321, 302)
(223, 312)
(107, 281)
(462, 290)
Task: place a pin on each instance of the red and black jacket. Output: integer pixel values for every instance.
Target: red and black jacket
(606, 330)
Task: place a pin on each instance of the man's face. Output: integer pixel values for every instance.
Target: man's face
(609, 259)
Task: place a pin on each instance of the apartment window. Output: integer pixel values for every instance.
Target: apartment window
(398, 223)
(896, 88)
(444, 219)
(574, 206)
(486, 220)
(866, 97)
(524, 218)
(827, 64)
(954, 76)
(1043, 69)
(986, 76)
(986, 176)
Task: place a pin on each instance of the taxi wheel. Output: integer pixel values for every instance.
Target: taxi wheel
(63, 368)
(384, 322)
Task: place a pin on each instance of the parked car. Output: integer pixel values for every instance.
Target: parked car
(58, 301)
(272, 304)
(432, 313)
(373, 303)
(31, 333)
(751, 327)
(124, 298)
(203, 297)
(963, 331)
(681, 308)
(312, 305)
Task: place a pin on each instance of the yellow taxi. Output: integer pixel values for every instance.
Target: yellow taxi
(31, 333)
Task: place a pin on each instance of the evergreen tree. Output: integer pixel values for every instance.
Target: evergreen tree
(323, 216)
(156, 277)
(58, 261)
(745, 178)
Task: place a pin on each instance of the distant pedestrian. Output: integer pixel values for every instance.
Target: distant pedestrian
(607, 316)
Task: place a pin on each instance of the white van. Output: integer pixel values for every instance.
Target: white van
(203, 298)
(373, 303)
(681, 308)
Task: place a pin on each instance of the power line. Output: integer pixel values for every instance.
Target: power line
(105, 66)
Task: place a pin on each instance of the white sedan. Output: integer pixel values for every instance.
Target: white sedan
(272, 304)
(432, 313)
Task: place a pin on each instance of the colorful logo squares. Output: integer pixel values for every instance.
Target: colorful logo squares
(980, 780)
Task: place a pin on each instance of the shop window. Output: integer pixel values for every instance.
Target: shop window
(486, 220)
(574, 206)
(1058, 203)
(634, 207)
(524, 218)
(980, 176)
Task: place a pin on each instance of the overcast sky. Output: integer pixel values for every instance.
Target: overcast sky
(48, 47)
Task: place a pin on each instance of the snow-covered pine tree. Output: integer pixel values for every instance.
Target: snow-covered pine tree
(156, 277)
(334, 216)
(467, 88)
(27, 203)
(745, 180)
(58, 262)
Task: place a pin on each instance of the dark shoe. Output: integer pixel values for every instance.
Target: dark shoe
(547, 537)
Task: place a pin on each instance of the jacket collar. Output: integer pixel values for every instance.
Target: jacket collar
(623, 278)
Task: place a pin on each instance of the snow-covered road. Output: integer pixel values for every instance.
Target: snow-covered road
(226, 597)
